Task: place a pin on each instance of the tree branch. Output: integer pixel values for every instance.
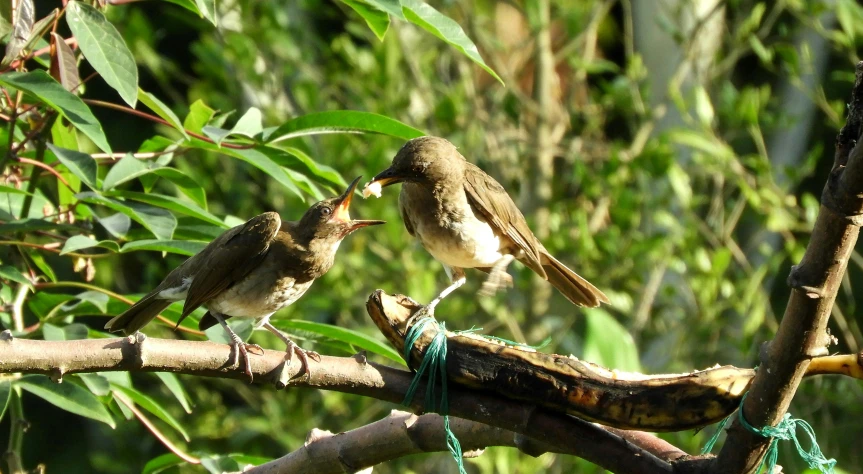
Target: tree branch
(802, 334)
(555, 431)
(398, 434)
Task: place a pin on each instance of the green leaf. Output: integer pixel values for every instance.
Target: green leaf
(186, 183)
(445, 28)
(161, 463)
(290, 157)
(182, 247)
(208, 10)
(608, 343)
(126, 169)
(80, 164)
(378, 21)
(257, 158)
(10, 273)
(199, 116)
(5, 396)
(105, 49)
(66, 396)
(162, 110)
(30, 225)
(39, 260)
(12, 190)
(96, 298)
(158, 221)
(42, 86)
(71, 332)
(129, 168)
(393, 7)
(249, 125)
(340, 121)
(21, 23)
(171, 203)
(172, 382)
(151, 406)
(339, 333)
(97, 384)
(78, 242)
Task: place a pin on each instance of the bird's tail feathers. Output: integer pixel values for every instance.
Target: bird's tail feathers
(576, 289)
(138, 315)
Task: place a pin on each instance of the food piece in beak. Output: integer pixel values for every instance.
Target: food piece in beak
(372, 187)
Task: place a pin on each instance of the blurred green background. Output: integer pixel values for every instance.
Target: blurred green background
(674, 158)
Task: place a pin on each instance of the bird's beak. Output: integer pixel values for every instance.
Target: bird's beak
(387, 177)
(342, 213)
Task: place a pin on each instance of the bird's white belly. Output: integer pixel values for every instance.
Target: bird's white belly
(247, 299)
(468, 243)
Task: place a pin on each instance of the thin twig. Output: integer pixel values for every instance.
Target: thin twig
(154, 430)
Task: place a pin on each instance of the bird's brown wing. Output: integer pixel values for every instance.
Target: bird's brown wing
(493, 202)
(229, 258)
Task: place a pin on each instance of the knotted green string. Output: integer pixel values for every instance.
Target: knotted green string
(434, 359)
(785, 430)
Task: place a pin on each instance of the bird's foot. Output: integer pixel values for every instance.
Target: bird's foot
(497, 279)
(241, 351)
(302, 354)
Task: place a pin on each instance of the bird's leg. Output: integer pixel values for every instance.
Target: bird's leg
(458, 278)
(241, 349)
(497, 276)
(292, 348)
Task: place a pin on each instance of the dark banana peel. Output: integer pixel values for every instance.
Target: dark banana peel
(671, 402)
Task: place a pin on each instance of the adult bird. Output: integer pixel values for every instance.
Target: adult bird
(466, 219)
(252, 271)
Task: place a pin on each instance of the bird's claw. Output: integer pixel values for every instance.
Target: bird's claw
(240, 351)
(302, 354)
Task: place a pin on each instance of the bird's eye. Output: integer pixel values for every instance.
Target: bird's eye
(326, 211)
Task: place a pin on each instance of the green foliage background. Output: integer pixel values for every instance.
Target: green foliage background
(688, 159)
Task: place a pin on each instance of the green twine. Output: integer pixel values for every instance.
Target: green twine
(785, 430)
(434, 359)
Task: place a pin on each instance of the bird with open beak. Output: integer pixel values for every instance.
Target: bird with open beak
(466, 219)
(252, 271)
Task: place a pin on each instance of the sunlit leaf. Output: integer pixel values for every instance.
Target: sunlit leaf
(378, 21)
(297, 159)
(608, 343)
(340, 121)
(445, 28)
(199, 116)
(97, 384)
(260, 160)
(161, 463)
(70, 332)
(249, 125)
(4, 189)
(104, 49)
(10, 273)
(162, 110)
(78, 242)
(66, 396)
(42, 86)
